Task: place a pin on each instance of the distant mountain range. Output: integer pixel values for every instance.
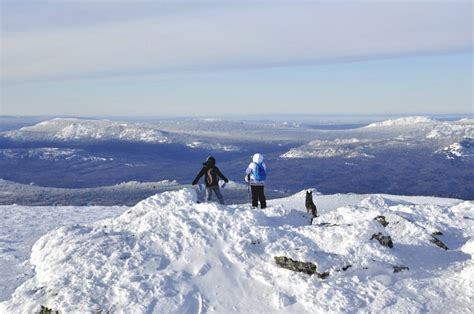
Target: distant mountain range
(416, 155)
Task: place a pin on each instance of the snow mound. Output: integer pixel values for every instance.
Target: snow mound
(169, 254)
(83, 129)
(402, 122)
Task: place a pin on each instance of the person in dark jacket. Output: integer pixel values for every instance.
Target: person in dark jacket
(211, 177)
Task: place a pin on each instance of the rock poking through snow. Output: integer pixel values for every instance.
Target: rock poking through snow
(397, 269)
(385, 240)
(168, 254)
(382, 220)
(300, 267)
(439, 243)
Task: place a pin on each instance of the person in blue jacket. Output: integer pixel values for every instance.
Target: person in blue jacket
(255, 175)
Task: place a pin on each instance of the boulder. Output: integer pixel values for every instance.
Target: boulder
(397, 269)
(439, 243)
(382, 220)
(385, 240)
(301, 267)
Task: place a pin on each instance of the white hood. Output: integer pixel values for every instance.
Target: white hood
(258, 158)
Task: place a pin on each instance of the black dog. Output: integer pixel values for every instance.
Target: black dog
(310, 206)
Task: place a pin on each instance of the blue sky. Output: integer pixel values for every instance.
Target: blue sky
(191, 58)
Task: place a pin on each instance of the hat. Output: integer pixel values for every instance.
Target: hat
(210, 161)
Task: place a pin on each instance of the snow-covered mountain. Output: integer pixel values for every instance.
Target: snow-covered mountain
(401, 122)
(186, 131)
(461, 129)
(299, 155)
(346, 148)
(463, 149)
(65, 129)
(169, 254)
(402, 133)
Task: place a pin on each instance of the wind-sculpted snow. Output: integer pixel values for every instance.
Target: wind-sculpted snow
(22, 226)
(170, 255)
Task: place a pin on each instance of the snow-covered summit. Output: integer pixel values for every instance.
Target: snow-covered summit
(461, 129)
(345, 148)
(84, 129)
(403, 133)
(462, 149)
(169, 254)
(402, 121)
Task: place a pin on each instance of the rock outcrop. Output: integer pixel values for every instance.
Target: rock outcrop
(385, 240)
(302, 267)
(382, 220)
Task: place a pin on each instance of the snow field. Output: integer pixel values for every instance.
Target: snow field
(169, 254)
(22, 226)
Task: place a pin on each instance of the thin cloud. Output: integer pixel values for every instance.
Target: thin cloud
(242, 35)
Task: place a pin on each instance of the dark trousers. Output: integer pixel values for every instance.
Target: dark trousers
(258, 195)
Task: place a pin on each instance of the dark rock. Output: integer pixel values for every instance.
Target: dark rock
(346, 267)
(328, 224)
(301, 267)
(437, 233)
(439, 243)
(46, 310)
(385, 240)
(382, 220)
(397, 269)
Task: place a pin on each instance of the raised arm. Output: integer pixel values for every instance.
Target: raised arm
(200, 174)
(219, 173)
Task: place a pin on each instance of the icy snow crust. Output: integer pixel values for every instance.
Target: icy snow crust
(169, 254)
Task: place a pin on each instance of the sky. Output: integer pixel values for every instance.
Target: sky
(160, 58)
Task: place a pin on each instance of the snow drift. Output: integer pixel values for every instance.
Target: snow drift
(169, 254)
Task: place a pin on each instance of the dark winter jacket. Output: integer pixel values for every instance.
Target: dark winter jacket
(211, 173)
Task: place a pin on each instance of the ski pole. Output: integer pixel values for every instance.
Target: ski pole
(248, 188)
